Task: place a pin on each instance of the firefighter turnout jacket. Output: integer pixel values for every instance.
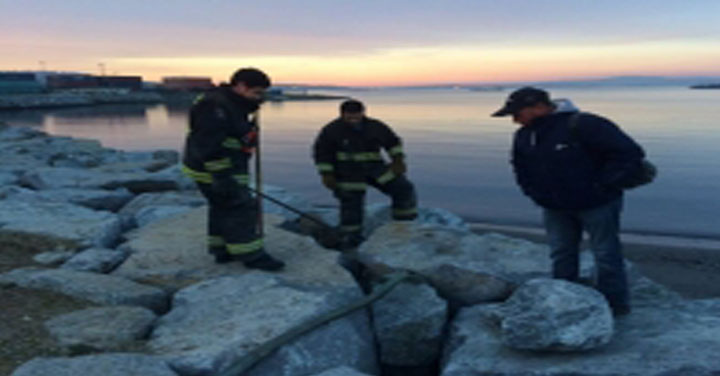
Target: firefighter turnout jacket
(352, 152)
(221, 138)
(218, 149)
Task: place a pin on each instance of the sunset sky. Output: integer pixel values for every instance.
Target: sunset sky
(370, 42)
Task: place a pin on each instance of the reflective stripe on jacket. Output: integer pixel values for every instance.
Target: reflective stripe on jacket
(350, 152)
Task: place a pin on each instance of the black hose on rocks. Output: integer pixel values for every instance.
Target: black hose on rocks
(261, 352)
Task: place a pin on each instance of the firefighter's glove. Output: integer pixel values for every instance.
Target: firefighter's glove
(398, 166)
(225, 186)
(329, 181)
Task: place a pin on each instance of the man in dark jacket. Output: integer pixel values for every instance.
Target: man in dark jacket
(347, 156)
(574, 166)
(218, 148)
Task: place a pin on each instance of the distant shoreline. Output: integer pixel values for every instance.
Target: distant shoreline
(706, 86)
(66, 99)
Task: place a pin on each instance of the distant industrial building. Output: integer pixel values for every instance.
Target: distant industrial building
(86, 81)
(187, 83)
(23, 82)
(20, 83)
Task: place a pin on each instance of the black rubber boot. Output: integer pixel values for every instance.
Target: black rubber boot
(351, 241)
(265, 262)
(221, 255)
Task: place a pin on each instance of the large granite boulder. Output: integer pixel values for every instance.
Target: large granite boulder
(216, 322)
(409, 324)
(467, 268)
(173, 252)
(98, 288)
(668, 339)
(464, 267)
(64, 223)
(97, 365)
(101, 329)
(60, 151)
(556, 315)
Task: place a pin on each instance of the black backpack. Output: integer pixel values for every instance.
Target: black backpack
(644, 174)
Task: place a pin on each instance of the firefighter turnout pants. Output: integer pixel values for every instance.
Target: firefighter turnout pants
(232, 223)
(352, 200)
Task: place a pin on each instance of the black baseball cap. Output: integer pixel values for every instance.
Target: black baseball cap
(521, 98)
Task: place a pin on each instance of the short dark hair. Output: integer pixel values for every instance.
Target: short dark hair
(251, 77)
(352, 106)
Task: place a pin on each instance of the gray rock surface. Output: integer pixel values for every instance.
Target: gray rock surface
(12, 134)
(98, 288)
(101, 329)
(97, 365)
(150, 161)
(408, 325)
(380, 214)
(288, 198)
(151, 214)
(53, 258)
(554, 315)
(465, 268)
(669, 339)
(97, 199)
(58, 151)
(148, 200)
(63, 222)
(12, 190)
(377, 215)
(63, 177)
(8, 178)
(214, 323)
(98, 260)
(173, 251)
(342, 371)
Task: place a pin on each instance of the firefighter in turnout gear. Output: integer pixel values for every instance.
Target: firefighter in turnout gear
(218, 149)
(347, 156)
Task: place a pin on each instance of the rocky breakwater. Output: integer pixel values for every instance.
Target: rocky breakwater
(76, 98)
(125, 231)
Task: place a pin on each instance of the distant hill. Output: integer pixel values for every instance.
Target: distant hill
(628, 81)
(633, 81)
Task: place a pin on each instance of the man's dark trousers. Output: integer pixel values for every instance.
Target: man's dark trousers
(564, 229)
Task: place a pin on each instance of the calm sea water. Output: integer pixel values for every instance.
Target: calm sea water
(458, 155)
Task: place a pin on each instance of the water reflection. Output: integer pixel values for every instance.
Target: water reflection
(458, 155)
(110, 115)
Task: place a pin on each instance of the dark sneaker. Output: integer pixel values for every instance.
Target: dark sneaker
(265, 262)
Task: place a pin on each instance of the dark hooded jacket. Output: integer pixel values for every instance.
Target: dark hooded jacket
(573, 169)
